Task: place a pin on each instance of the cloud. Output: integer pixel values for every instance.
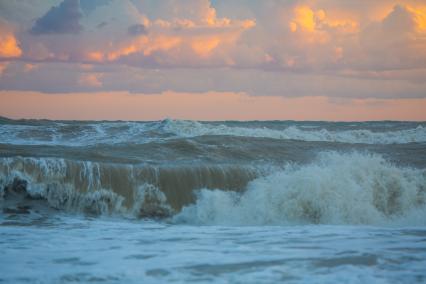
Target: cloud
(137, 29)
(90, 80)
(299, 36)
(143, 45)
(395, 84)
(9, 46)
(30, 67)
(101, 25)
(308, 20)
(398, 41)
(88, 6)
(62, 19)
(354, 49)
(3, 66)
(23, 13)
(180, 37)
(186, 38)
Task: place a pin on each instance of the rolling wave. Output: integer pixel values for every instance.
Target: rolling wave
(335, 188)
(105, 188)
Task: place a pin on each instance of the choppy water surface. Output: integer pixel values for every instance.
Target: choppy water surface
(74, 249)
(222, 202)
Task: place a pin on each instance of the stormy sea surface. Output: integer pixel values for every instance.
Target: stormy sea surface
(212, 202)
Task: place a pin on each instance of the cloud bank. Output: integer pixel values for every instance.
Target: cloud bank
(349, 49)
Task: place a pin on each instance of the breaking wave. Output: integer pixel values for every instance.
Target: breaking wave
(188, 128)
(337, 188)
(103, 188)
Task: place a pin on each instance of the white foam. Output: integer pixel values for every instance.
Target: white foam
(187, 128)
(337, 188)
(149, 201)
(82, 134)
(46, 178)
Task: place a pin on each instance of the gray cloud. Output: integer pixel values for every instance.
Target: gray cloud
(398, 84)
(101, 25)
(88, 6)
(137, 29)
(62, 19)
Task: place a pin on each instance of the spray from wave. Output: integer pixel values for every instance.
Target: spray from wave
(337, 188)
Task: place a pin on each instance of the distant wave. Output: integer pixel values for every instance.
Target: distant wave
(188, 128)
(85, 133)
(76, 133)
(335, 189)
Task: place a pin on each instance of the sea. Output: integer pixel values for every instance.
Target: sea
(180, 201)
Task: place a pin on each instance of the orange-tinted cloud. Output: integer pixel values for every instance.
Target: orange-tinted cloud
(203, 46)
(419, 15)
(317, 25)
(9, 45)
(96, 56)
(144, 45)
(304, 18)
(193, 40)
(181, 35)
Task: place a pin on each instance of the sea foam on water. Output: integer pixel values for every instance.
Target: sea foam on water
(212, 202)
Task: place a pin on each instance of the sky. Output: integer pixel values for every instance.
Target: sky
(213, 59)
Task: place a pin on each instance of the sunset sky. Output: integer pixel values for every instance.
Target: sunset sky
(213, 60)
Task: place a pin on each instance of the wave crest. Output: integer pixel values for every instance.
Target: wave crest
(337, 188)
